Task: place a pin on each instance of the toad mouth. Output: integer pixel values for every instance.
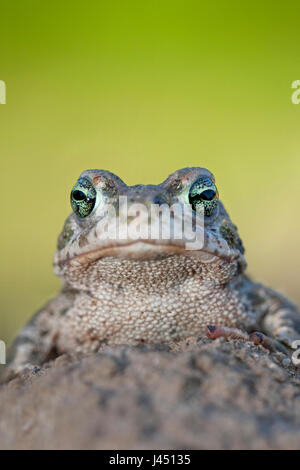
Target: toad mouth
(140, 250)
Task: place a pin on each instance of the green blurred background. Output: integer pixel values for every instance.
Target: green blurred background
(142, 89)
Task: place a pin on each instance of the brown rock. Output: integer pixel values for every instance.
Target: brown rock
(196, 395)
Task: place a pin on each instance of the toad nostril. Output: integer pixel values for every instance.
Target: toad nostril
(159, 200)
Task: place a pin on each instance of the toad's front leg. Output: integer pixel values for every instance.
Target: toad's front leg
(215, 331)
(36, 344)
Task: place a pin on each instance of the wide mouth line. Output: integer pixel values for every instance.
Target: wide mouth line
(117, 248)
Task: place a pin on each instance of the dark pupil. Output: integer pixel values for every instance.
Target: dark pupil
(208, 194)
(78, 195)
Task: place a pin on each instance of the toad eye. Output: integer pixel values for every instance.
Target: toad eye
(83, 197)
(203, 196)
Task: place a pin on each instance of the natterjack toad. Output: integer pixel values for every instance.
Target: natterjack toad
(130, 290)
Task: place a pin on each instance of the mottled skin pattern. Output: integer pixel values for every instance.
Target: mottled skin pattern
(153, 291)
